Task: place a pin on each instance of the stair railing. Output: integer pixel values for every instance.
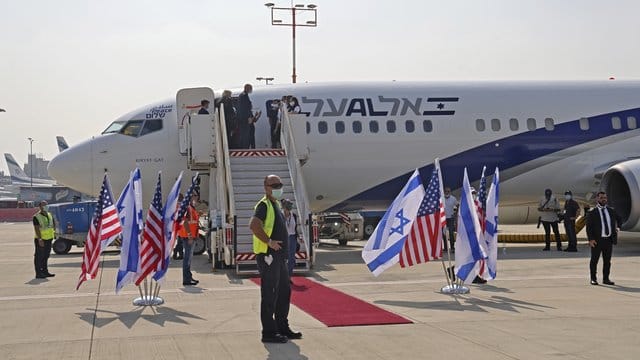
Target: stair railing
(295, 170)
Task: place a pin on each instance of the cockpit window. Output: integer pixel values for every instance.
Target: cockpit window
(151, 126)
(132, 128)
(114, 127)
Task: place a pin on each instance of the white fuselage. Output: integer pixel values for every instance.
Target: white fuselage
(532, 131)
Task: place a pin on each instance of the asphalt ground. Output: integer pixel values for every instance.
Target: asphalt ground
(540, 307)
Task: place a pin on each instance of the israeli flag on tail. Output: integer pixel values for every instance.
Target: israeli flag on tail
(385, 244)
(491, 231)
(130, 212)
(468, 249)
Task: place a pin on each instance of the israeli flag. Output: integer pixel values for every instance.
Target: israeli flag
(468, 249)
(385, 244)
(130, 212)
(491, 231)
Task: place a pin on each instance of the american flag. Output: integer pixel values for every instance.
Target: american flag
(424, 241)
(481, 208)
(152, 237)
(482, 202)
(105, 226)
(172, 219)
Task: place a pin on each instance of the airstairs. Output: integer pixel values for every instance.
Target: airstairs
(236, 183)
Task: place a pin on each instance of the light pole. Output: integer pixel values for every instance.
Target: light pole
(309, 10)
(266, 79)
(31, 160)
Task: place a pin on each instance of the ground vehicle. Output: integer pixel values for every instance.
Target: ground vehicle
(72, 224)
(341, 226)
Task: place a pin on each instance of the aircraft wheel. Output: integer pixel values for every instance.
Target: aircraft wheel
(61, 246)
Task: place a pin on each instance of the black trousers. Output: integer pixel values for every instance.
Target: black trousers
(41, 256)
(451, 228)
(604, 246)
(548, 225)
(275, 294)
(570, 230)
(252, 136)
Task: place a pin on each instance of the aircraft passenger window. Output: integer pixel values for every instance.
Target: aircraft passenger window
(616, 123)
(322, 127)
(340, 127)
(480, 124)
(584, 124)
(631, 122)
(357, 127)
(151, 126)
(495, 124)
(427, 126)
(308, 127)
(513, 124)
(531, 124)
(114, 127)
(373, 126)
(548, 124)
(391, 126)
(409, 126)
(132, 128)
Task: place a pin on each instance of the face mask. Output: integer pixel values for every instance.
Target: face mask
(447, 196)
(292, 103)
(276, 193)
(46, 208)
(568, 197)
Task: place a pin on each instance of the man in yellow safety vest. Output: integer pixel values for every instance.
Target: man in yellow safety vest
(270, 240)
(45, 232)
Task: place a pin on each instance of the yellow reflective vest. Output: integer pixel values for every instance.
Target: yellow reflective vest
(259, 246)
(47, 231)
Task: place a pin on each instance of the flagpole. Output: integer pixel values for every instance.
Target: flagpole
(140, 289)
(445, 236)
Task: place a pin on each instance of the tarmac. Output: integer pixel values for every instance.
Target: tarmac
(541, 306)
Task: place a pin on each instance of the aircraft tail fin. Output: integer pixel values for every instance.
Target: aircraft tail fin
(62, 143)
(14, 168)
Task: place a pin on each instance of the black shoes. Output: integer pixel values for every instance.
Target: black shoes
(49, 275)
(275, 338)
(571, 250)
(190, 283)
(41, 276)
(292, 335)
(608, 282)
(546, 249)
(594, 282)
(479, 280)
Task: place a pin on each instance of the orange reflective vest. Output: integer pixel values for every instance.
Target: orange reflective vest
(191, 220)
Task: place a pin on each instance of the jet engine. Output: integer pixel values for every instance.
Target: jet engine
(620, 182)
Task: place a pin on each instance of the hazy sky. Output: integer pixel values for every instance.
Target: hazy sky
(69, 67)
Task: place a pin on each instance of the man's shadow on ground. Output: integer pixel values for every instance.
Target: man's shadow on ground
(464, 303)
(290, 350)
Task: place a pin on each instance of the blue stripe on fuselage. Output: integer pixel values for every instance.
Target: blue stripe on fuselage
(513, 151)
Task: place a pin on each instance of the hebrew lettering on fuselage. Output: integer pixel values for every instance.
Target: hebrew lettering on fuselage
(380, 106)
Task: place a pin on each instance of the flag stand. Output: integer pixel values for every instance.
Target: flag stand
(150, 296)
(452, 287)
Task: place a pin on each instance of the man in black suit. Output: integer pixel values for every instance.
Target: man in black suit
(602, 231)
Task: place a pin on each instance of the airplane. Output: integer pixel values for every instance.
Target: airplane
(362, 141)
(62, 143)
(18, 176)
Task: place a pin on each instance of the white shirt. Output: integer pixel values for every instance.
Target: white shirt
(449, 204)
(291, 224)
(604, 216)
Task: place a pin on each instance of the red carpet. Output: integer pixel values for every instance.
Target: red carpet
(335, 308)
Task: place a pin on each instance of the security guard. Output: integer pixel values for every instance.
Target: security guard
(270, 246)
(44, 228)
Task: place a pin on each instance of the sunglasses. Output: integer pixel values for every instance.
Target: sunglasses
(275, 186)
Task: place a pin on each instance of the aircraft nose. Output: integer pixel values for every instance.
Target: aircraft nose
(72, 168)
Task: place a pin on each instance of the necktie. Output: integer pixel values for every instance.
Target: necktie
(604, 221)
